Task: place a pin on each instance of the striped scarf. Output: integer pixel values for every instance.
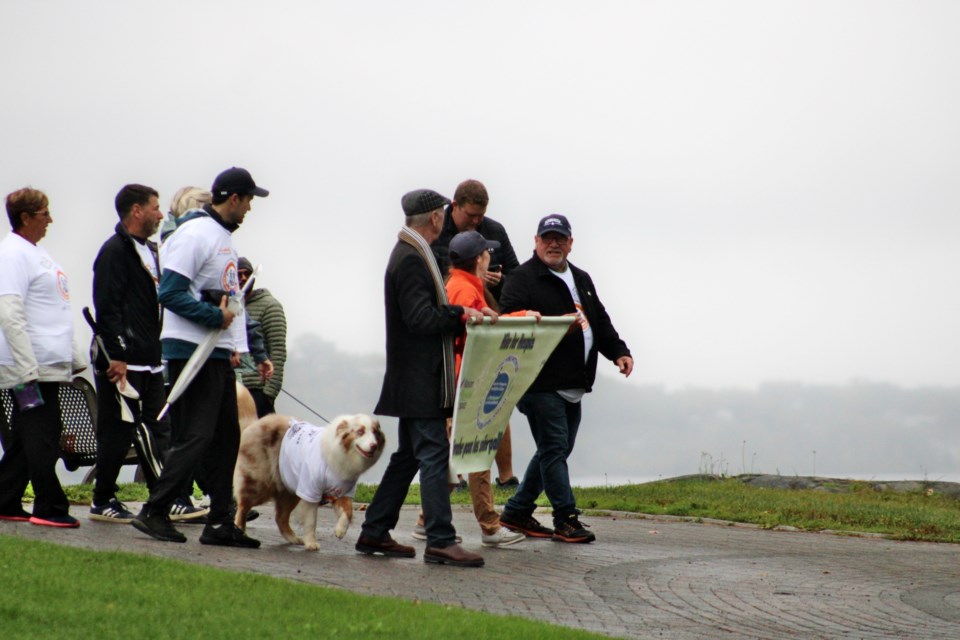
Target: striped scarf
(416, 241)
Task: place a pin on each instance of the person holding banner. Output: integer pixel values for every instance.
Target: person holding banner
(468, 212)
(418, 388)
(469, 258)
(199, 275)
(549, 283)
(126, 273)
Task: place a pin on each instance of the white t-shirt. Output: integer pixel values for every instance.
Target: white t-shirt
(575, 395)
(303, 470)
(567, 277)
(202, 251)
(146, 257)
(28, 271)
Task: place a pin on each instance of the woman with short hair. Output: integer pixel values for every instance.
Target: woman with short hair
(37, 353)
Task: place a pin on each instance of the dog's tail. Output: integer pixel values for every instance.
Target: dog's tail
(246, 407)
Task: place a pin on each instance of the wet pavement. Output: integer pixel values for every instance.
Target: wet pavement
(644, 577)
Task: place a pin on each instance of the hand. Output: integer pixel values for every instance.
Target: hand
(575, 324)
(117, 373)
(266, 370)
(472, 316)
(533, 314)
(228, 315)
(490, 313)
(492, 278)
(625, 363)
(235, 359)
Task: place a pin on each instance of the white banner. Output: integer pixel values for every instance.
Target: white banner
(500, 362)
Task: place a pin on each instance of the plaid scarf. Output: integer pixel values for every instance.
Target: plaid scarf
(416, 241)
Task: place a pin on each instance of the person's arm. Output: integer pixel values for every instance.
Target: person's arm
(605, 335)
(418, 302)
(13, 324)
(275, 333)
(174, 295)
(109, 294)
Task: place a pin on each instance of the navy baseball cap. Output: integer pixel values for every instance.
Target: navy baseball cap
(470, 244)
(422, 201)
(555, 223)
(239, 181)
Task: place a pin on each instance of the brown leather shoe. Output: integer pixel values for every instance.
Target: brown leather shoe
(387, 546)
(454, 554)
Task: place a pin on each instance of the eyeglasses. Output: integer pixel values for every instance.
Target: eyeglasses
(45, 212)
(554, 239)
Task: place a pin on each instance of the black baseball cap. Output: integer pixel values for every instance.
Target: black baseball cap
(555, 223)
(244, 264)
(238, 181)
(422, 201)
(470, 244)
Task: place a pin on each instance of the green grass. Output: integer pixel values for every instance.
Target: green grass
(902, 516)
(49, 591)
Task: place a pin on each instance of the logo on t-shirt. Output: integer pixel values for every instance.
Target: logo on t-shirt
(62, 286)
(230, 281)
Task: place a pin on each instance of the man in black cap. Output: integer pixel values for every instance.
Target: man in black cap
(548, 283)
(418, 388)
(199, 274)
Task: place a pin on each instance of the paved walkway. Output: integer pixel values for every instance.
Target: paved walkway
(643, 578)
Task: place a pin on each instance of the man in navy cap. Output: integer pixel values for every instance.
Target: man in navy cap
(418, 388)
(199, 265)
(550, 284)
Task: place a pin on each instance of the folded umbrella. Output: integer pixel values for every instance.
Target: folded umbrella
(200, 355)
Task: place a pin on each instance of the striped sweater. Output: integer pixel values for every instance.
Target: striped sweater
(268, 311)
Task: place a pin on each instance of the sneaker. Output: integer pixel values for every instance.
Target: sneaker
(502, 538)
(16, 516)
(183, 510)
(570, 529)
(510, 483)
(62, 522)
(420, 533)
(227, 534)
(527, 525)
(157, 525)
(113, 511)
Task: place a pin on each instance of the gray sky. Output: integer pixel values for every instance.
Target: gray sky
(761, 190)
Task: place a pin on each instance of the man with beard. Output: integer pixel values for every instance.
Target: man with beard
(125, 279)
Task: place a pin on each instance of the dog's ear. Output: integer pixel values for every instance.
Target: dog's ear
(343, 427)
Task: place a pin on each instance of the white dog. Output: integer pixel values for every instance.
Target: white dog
(287, 460)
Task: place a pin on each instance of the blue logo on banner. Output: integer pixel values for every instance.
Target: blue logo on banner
(497, 393)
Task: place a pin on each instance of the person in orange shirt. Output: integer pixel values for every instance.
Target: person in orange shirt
(469, 259)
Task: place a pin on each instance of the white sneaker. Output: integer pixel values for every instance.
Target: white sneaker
(420, 533)
(502, 538)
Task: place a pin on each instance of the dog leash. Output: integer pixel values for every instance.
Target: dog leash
(247, 367)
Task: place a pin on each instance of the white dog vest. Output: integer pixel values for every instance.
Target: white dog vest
(303, 469)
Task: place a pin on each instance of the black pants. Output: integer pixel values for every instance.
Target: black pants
(263, 401)
(149, 438)
(31, 456)
(206, 437)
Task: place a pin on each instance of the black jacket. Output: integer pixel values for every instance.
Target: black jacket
(489, 229)
(125, 297)
(533, 287)
(413, 381)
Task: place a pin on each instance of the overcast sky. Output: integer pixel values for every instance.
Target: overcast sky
(761, 190)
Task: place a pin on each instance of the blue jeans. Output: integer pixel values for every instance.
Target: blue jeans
(423, 447)
(554, 423)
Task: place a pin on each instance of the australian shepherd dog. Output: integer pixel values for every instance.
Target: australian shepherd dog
(289, 461)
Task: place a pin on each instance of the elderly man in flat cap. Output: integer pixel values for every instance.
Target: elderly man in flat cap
(418, 388)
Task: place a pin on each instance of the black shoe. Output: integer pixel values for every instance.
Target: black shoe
(570, 529)
(227, 535)
(527, 525)
(509, 483)
(182, 510)
(157, 525)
